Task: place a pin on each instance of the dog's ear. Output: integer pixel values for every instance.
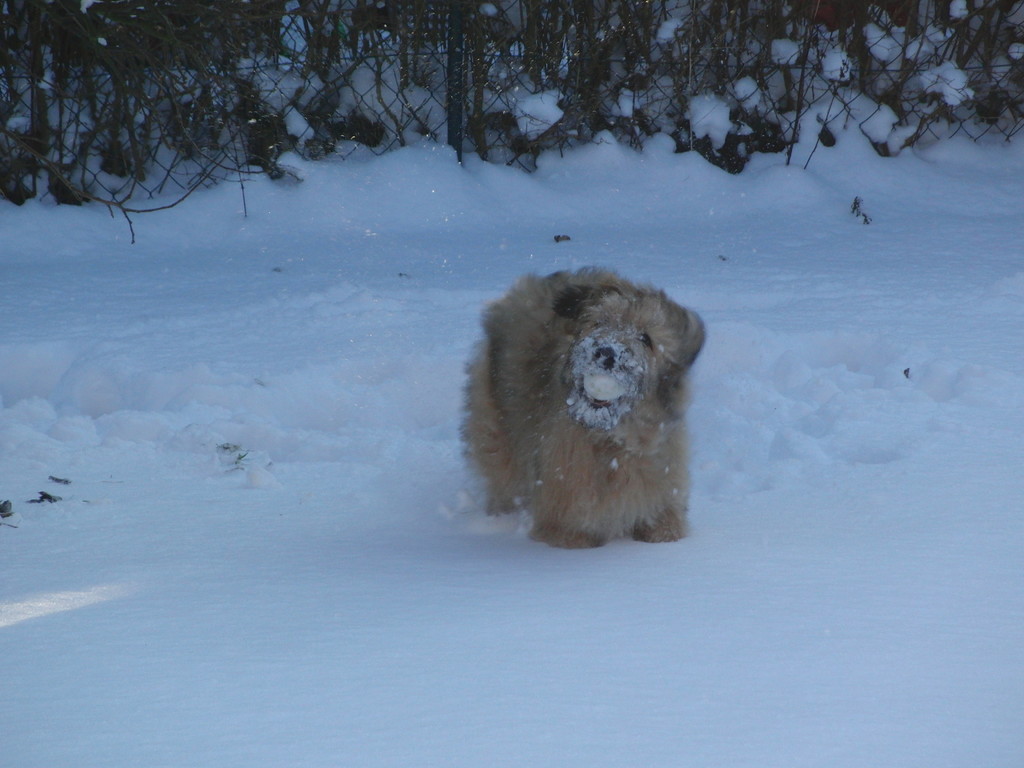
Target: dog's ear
(570, 301)
(671, 385)
(692, 333)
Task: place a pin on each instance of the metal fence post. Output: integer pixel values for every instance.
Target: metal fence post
(456, 85)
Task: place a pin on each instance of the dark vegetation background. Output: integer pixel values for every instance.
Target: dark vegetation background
(122, 101)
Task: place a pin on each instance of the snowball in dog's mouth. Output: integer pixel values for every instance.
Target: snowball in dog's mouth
(601, 400)
(602, 389)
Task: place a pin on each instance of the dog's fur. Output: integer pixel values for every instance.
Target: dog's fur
(588, 469)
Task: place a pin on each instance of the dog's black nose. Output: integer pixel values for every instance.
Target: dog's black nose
(605, 357)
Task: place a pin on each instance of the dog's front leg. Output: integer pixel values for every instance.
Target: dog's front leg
(559, 513)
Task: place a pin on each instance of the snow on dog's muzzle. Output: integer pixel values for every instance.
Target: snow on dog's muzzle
(606, 376)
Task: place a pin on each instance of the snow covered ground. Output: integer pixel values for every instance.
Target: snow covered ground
(271, 554)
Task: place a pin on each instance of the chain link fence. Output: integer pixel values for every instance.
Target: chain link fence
(123, 101)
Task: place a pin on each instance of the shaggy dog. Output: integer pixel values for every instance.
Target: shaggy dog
(575, 408)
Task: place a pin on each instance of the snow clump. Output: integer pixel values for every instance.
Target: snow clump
(536, 113)
(883, 46)
(949, 82)
(836, 66)
(709, 116)
(785, 51)
(626, 102)
(667, 31)
(747, 92)
(878, 127)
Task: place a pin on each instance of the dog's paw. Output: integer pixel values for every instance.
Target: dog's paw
(669, 527)
(565, 539)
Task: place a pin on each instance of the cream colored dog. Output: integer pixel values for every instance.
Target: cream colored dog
(575, 408)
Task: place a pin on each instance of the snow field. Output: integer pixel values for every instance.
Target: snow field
(271, 553)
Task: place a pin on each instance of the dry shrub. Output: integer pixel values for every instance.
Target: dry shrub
(120, 101)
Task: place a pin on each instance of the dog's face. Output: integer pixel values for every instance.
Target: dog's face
(627, 347)
(606, 374)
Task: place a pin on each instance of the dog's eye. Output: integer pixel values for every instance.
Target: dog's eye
(646, 339)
